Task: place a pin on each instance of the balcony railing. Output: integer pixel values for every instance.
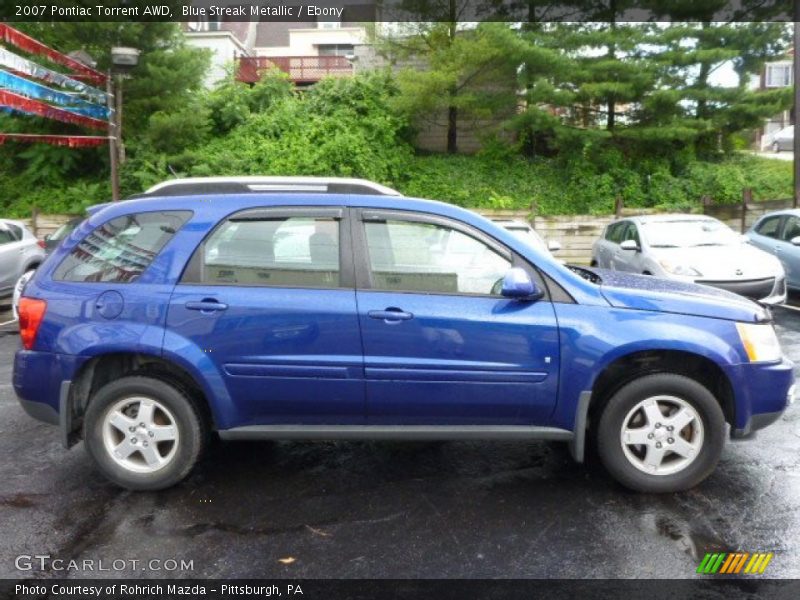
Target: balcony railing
(301, 69)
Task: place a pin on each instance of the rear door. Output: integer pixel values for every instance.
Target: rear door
(787, 252)
(269, 296)
(441, 345)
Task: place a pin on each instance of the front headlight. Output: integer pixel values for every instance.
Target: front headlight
(760, 342)
(678, 269)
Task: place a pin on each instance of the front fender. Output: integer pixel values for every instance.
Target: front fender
(594, 337)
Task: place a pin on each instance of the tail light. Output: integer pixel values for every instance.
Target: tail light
(41, 244)
(31, 313)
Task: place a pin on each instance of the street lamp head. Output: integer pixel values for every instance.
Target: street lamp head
(124, 59)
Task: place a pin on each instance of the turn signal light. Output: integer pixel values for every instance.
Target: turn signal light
(31, 313)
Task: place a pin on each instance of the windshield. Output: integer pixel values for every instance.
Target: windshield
(689, 233)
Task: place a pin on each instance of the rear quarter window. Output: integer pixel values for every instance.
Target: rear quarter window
(121, 249)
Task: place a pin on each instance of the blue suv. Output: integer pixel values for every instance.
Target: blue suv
(163, 320)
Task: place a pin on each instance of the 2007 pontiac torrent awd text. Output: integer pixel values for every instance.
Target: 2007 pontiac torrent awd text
(163, 320)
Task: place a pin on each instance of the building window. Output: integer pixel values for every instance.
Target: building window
(335, 49)
(779, 75)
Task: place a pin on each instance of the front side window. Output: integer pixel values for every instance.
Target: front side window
(769, 227)
(285, 251)
(426, 257)
(121, 249)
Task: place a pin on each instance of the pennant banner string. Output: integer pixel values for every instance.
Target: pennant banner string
(31, 69)
(70, 102)
(72, 141)
(28, 44)
(40, 109)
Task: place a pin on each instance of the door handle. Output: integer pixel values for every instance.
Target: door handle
(390, 314)
(206, 306)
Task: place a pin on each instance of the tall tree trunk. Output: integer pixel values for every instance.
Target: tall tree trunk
(452, 109)
(612, 54)
(452, 129)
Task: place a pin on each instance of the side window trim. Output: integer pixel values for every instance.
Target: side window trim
(363, 270)
(193, 272)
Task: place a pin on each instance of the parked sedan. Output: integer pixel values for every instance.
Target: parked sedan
(20, 252)
(49, 244)
(784, 139)
(692, 248)
(526, 233)
(779, 234)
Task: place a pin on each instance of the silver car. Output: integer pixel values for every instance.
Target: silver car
(20, 252)
(784, 139)
(691, 248)
(528, 234)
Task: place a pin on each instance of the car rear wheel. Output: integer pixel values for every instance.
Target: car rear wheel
(776, 147)
(661, 433)
(143, 433)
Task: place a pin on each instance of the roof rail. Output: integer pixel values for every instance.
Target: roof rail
(243, 185)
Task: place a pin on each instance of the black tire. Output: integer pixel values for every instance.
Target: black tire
(776, 147)
(191, 427)
(610, 447)
(593, 263)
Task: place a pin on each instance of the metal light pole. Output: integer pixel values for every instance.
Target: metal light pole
(113, 138)
(122, 61)
(796, 78)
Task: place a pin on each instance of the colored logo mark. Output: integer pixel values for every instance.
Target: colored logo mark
(734, 563)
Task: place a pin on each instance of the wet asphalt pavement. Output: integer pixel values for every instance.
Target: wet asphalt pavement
(389, 510)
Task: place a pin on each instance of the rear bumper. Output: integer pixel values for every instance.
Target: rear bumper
(38, 381)
(762, 392)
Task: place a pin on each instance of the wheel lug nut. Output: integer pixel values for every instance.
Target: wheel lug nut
(131, 429)
(144, 444)
(141, 424)
(670, 440)
(658, 444)
(658, 425)
(650, 436)
(133, 440)
(151, 434)
(670, 428)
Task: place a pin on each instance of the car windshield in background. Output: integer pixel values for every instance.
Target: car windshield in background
(688, 233)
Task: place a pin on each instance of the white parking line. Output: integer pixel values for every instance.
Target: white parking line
(788, 307)
(8, 322)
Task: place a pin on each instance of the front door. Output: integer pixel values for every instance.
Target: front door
(269, 297)
(441, 345)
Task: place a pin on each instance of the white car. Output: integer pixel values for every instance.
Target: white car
(528, 234)
(691, 248)
(20, 253)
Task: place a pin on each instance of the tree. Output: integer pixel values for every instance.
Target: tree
(448, 68)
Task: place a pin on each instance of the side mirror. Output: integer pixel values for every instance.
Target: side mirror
(47, 237)
(517, 284)
(553, 246)
(795, 240)
(629, 245)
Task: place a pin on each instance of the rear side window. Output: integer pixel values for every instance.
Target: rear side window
(769, 227)
(792, 229)
(272, 251)
(121, 249)
(5, 236)
(16, 231)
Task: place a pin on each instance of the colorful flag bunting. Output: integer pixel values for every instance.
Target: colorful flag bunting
(27, 44)
(31, 89)
(26, 67)
(40, 109)
(73, 141)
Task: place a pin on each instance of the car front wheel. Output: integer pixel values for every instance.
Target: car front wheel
(661, 433)
(143, 433)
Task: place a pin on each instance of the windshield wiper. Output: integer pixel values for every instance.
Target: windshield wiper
(664, 246)
(708, 244)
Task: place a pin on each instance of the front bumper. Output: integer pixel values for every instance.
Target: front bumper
(766, 290)
(762, 391)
